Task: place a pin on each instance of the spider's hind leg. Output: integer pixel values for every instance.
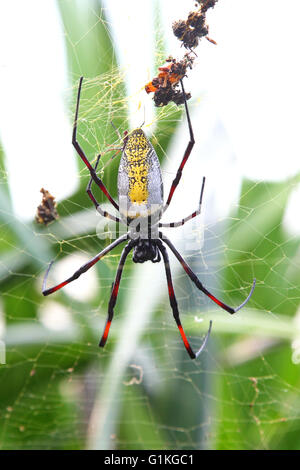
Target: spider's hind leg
(199, 284)
(174, 306)
(114, 293)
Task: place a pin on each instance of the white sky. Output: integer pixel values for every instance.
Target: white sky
(249, 85)
(34, 128)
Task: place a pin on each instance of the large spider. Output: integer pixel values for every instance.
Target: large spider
(141, 206)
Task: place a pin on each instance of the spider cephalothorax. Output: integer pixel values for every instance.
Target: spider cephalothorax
(145, 250)
(140, 192)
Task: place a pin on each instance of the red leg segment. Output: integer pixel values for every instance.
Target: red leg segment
(82, 154)
(199, 284)
(82, 269)
(114, 293)
(186, 153)
(174, 306)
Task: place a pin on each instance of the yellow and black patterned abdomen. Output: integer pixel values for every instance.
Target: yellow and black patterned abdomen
(139, 180)
(136, 150)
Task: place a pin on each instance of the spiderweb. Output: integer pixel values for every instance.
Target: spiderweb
(58, 389)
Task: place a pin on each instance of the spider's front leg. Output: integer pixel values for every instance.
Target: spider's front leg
(94, 200)
(186, 155)
(82, 155)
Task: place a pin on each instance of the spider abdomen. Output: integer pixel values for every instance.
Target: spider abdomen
(140, 186)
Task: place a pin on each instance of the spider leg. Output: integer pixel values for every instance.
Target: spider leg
(186, 155)
(82, 269)
(158, 258)
(174, 306)
(116, 130)
(189, 217)
(199, 284)
(82, 154)
(93, 199)
(118, 150)
(114, 292)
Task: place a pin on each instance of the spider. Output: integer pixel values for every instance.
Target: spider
(140, 208)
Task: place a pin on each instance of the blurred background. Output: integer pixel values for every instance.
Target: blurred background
(58, 390)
